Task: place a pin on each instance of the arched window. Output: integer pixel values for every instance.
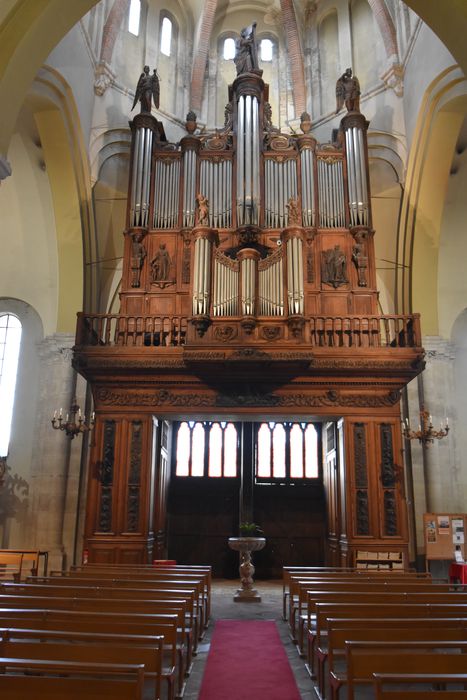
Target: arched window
(206, 449)
(10, 339)
(166, 36)
(266, 49)
(229, 48)
(287, 452)
(134, 17)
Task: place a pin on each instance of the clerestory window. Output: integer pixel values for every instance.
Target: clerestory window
(134, 17)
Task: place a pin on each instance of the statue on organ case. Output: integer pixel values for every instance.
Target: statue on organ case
(160, 264)
(138, 254)
(246, 51)
(348, 92)
(203, 209)
(147, 89)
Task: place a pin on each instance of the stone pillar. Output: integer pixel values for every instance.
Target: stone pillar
(56, 458)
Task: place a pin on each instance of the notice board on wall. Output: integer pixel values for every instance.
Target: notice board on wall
(444, 533)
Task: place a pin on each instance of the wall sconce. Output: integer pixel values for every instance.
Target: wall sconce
(426, 434)
(74, 422)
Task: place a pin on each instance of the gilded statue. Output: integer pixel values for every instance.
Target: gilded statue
(147, 89)
(348, 92)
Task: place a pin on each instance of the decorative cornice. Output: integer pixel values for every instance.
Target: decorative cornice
(164, 397)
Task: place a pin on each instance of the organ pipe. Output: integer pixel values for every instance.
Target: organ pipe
(248, 175)
(202, 277)
(295, 284)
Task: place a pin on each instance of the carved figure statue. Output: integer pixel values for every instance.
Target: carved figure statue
(147, 89)
(138, 254)
(160, 264)
(348, 92)
(334, 266)
(203, 209)
(294, 213)
(361, 263)
(246, 51)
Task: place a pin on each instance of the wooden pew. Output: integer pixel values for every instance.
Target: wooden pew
(378, 596)
(298, 582)
(368, 630)
(365, 658)
(437, 691)
(374, 610)
(157, 643)
(170, 605)
(175, 663)
(202, 581)
(70, 680)
(10, 566)
(160, 580)
(84, 651)
(156, 592)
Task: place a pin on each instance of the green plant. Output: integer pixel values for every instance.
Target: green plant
(250, 530)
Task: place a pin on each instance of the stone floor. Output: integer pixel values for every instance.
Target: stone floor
(270, 608)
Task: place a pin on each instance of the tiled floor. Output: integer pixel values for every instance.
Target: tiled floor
(270, 608)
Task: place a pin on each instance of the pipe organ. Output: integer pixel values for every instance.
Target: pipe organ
(275, 235)
(249, 287)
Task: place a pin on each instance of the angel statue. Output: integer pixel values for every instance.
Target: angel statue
(147, 88)
(348, 92)
(246, 51)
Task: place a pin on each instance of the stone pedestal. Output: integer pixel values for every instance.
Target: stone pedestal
(246, 545)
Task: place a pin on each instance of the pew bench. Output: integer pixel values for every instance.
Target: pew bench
(363, 659)
(149, 654)
(438, 690)
(324, 611)
(387, 596)
(157, 644)
(129, 625)
(10, 566)
(338, 634)
(70, 680)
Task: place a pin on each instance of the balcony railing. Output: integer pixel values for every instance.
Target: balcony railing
(352, 331)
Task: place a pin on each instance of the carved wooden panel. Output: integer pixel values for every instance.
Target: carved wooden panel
(107, 477)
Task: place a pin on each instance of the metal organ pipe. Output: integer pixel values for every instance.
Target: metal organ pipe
(189, 183)
(295, 275)
(134, 177)
(363, 177)
(248, 145)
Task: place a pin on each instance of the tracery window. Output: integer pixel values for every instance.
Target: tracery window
(10, 339)
(283, 451)
(286, 452)
(207, 448)
(134, 17)
(166, 36)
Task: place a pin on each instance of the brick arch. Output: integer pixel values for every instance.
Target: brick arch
(385, 25)
(201, 56)
(111, 28)
(295, 55)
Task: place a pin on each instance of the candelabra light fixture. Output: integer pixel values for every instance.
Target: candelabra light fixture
(74, 423)
(426, 433)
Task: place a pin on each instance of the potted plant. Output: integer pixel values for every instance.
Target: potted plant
(247, 529)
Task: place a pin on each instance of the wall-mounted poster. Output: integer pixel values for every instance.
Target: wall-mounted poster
(443, 525)
(431, 531)
(458, 531)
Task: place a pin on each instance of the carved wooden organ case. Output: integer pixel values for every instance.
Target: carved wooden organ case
(249, 286)
(285, 234)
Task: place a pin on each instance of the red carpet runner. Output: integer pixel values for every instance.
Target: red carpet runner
(247, 662)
